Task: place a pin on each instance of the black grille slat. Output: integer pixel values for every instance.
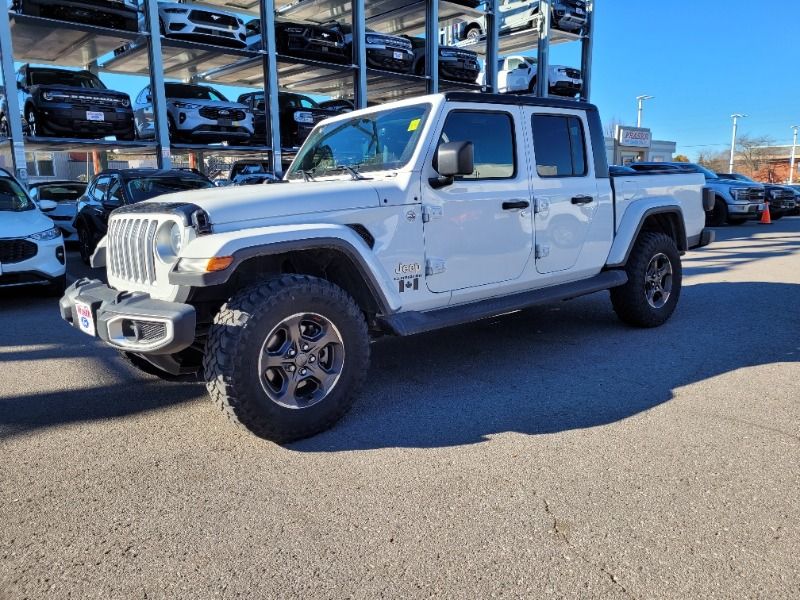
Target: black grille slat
(211, 112)
(212, 18)
(15, 251)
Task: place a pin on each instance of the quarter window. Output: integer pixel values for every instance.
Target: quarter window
(491, 134)
(560, 145)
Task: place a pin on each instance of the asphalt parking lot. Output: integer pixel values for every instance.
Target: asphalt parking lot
(551, 453)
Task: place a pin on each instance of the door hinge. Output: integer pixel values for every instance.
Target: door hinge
(434, 266)
(541, 206)
(542, 251)
(431, 212)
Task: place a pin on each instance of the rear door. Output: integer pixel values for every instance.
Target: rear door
(564, 185)
(478, 230)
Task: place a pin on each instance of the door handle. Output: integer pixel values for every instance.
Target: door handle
(516, 204)
(582, 200)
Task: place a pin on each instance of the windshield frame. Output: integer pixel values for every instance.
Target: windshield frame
(294, 172)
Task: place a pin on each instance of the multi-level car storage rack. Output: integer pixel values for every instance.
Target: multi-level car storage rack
(41, 40)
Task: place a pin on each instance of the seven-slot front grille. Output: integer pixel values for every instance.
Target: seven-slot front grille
(131, 255)
(15, 251)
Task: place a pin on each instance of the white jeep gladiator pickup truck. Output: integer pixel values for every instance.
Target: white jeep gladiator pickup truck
(396, 219)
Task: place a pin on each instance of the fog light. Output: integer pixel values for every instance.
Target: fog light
(60, 254)
(182, 117)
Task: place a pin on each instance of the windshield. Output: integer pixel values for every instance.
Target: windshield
(145, 188)
(375, 142)
(70, 78)
(181, 91)
(13, 198)
(707, 172)
(64, 192)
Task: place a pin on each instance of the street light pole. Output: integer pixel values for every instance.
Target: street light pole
(735, 118)
(641, 100)
(794, 154)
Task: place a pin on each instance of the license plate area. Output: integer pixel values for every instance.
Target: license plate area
(397, 55)
(85, 317)
(92, 115)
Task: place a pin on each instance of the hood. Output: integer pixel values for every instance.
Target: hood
(261, 203)
(211, 103)
(736, 183)
(22, 224)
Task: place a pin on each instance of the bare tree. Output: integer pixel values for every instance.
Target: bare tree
(753, 153)
(611, 127)
(716, 161)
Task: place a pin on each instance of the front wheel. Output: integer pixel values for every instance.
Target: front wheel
(286, 358)
(655, 275)
(85, 245)
(718, 215)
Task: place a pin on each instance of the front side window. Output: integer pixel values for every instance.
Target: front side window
(377, 141)
(114, 193)
(12, 197)
(99, 190)
(560, 146)
(492, 137)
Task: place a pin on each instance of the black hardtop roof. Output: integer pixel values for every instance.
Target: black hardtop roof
(521, 100)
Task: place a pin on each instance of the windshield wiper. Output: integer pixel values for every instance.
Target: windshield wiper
(353, 172)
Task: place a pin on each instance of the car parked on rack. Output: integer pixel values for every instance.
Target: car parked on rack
(118, 14)
(201, 24)
(254, 179)
(297, 113)
(64, 103)
(515, 15)
(518, 74)
(31, 247)
(457, 64)
(734, 201)
(195, 113)
(114, 188)
(65, 194)
(384, 51)
(249, 166)
(303, 40)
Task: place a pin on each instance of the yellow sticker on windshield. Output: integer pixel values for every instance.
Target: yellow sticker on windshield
(413, 125)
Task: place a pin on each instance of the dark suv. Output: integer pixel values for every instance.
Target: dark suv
(302, 40)
(63, 103)
(119, 14)
(782, 198)
(298, 115)
(118, 187)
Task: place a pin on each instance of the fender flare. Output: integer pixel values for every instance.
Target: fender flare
(265, 241)
(631, 225)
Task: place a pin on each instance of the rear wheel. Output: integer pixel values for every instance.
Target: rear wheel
(655, 275)
(285, 359)
(474, 33)
(718, 215)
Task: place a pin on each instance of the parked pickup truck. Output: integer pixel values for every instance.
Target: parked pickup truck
(392, 220)
(734, 201)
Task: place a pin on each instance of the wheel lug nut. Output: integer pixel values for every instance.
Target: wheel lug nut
(292, 352)
(291, 368)
(303, 372)
(313, 359)
(305, 347)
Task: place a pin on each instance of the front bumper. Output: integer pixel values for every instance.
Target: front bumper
(390, 59)
(746, 211)
(44, 267)
(131, 321)
(459, 70)
(66, 120)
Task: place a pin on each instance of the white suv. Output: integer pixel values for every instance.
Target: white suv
(31, 247)
(182, 21)
(195, 113)
(517, 74)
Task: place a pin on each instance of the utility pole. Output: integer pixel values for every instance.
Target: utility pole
(735, 118)
(794, 154)
(640, 100)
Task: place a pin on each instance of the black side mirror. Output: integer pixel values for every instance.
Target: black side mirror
(452, 159)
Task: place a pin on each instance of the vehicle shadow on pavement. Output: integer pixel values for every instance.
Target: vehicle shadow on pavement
(556, 368)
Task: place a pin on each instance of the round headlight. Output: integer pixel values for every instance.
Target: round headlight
(169, 240)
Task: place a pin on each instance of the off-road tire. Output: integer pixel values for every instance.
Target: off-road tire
(718, 215)
(235, 341)
(630, 300)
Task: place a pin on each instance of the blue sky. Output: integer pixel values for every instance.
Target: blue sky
(703, 60)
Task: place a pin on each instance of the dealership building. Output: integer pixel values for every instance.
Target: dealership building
(636, 144)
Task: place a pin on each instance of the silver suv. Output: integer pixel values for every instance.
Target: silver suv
(182, 21)
(195, 113)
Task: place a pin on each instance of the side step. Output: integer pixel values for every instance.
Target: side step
(410, 323)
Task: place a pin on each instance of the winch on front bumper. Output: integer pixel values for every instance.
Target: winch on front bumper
(131, 321)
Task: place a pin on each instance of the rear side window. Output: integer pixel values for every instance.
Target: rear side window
(560, 146)
(492, 135)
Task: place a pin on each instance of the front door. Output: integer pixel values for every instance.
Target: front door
(564, 186)
(478, 230)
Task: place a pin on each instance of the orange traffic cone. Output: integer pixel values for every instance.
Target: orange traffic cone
(766, 219)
